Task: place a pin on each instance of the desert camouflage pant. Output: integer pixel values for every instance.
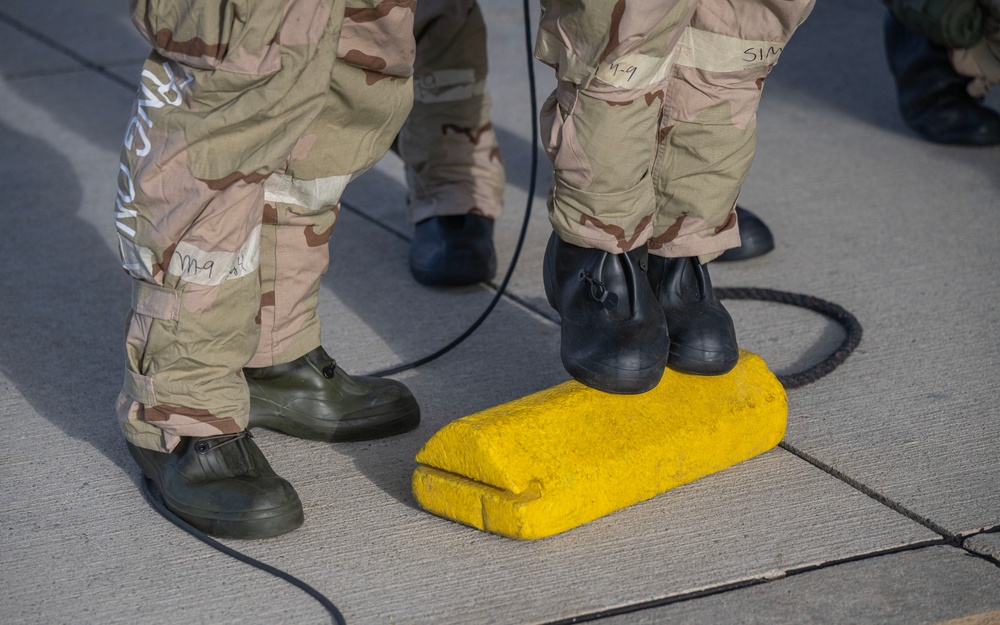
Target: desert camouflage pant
(652, 127)
(981, 62)
(453, 162)
(251, 117)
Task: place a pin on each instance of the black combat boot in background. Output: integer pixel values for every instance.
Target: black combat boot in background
(454, 250)
(702, 336)
(933, 98)
(755, 238)
(613, 336)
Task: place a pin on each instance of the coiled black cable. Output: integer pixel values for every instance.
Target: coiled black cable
(533, 97)
(810, 302)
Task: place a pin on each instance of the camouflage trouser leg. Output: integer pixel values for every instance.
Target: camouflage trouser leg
(981, 62)
(651, 129)
(453, 162)
(294, 255)
(213, 119)
(370, 99)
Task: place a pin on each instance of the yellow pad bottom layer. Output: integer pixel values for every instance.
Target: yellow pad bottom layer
(562, 457)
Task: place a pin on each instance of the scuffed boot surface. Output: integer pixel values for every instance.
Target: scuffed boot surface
(311, 397)
(702, 336)
(223, 486)
(613, 336)
(453, 250)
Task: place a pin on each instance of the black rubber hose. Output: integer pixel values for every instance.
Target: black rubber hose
(828, 309)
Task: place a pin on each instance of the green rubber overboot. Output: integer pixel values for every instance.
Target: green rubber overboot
(223, 486)
(311, 397)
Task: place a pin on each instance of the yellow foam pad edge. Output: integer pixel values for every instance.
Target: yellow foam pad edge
(567, 455)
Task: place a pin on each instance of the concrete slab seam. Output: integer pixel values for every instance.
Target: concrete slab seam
(764, 578)
(58, 47)
(949, 538)
(983, 556)
(508, 296)
(952, 539)
(354, 210)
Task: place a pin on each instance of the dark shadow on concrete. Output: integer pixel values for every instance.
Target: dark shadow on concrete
(64, 299)
(512, 354)
(837, 60)
(517, 159)
(825, 345)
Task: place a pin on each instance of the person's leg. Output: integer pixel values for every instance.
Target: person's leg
(599, 129)
(706, 141)
(938, 90)
(295, 387)
(202, 138)
(188, 217)
(210, 124)
(642, 156)
(454, 169)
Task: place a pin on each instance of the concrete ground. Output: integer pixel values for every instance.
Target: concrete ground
(880, 507)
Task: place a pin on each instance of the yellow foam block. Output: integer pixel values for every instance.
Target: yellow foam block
(567, 455)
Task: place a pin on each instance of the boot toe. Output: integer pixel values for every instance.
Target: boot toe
(628, 359)
(378, 417)
(709, 356)
(613, 336)
(960, 123)
(302, 400)
(455, 250)
(249, 508)
(702, 342)
(223, 486)
(701, 331)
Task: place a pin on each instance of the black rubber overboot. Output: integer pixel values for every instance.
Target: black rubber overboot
(755, 238)
(613, 334)
(933, 99)
(455, 250)
(702, 336)
(311, 397)
(223, 486)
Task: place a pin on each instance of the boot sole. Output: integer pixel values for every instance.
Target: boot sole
(697, 362)
(468, 274)
(267, 524)
(612, 380)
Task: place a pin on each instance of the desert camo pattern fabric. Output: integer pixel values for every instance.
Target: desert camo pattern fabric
(449, 145)
(652, 127)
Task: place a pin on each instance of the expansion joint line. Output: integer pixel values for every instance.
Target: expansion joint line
(992, 559)
(947, 538)
(508, 296)
(882, 499)
(756, 581)
(374, 221)
(65, 51)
